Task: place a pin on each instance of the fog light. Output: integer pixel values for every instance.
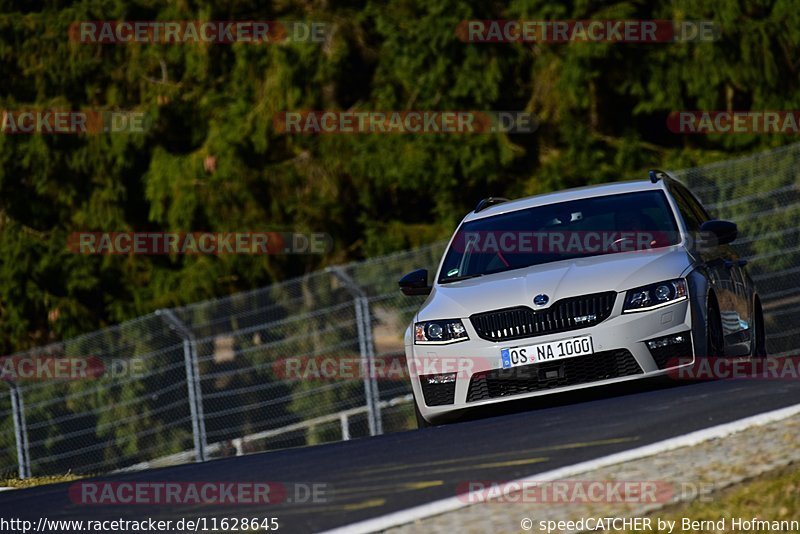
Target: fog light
(666, 341)
(669, 351)
(440, 379)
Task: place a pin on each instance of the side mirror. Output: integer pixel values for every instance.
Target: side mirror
(719, 232)
(415, 283)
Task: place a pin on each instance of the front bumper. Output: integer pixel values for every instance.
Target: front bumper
(620, 350)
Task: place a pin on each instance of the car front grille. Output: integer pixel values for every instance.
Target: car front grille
(564, 315)
(550, 375)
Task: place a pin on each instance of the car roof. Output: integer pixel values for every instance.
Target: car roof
(576, 193)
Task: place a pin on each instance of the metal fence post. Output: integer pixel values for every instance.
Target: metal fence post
(345, 424)
(192, 382)
(20, 432)
(366, 349)
(365, 367)
(366, 318)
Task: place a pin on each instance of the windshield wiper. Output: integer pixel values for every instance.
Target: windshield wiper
(459, 278)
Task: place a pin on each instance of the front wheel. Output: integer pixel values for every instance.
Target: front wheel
(714, 337)
(759, 349)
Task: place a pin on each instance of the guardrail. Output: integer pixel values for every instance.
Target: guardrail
(238, 446)
(215, 372)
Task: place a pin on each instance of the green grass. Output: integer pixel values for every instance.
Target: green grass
(771, 497)
(37, 481)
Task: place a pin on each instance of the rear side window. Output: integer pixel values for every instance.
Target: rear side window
(692, 212)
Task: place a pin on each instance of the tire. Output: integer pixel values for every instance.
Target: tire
(421, 422)
(715, 342)
(760, 339)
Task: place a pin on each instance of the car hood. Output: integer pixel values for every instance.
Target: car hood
(557, 280)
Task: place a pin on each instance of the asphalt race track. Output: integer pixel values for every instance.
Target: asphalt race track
(371, 477)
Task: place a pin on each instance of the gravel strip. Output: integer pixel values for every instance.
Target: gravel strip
(680, 475)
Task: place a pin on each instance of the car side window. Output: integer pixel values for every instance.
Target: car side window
(697, 208)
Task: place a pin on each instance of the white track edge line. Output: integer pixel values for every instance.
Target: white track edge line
(449, 504)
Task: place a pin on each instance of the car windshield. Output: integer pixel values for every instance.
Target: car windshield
(561, 231)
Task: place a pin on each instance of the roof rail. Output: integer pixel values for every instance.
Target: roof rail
(487, 202)
(657, 174)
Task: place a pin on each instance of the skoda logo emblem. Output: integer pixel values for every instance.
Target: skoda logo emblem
(541, 300)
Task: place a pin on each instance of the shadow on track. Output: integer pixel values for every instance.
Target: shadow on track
(555, 400)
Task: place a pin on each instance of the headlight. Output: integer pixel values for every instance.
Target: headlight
(655, 295)
(445, 331)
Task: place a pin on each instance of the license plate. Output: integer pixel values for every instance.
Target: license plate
(546, 352)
